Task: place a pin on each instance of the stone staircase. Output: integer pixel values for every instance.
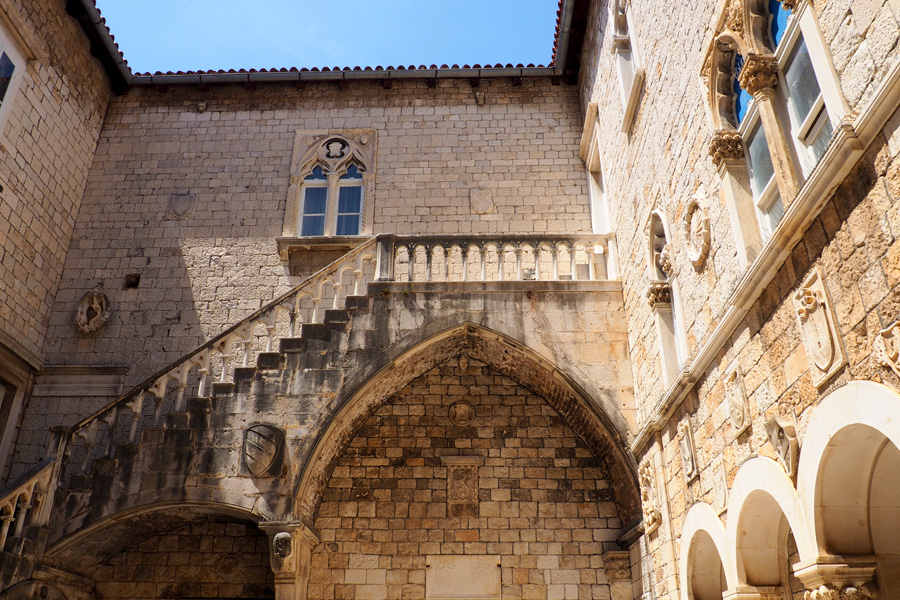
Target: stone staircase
(178, 438)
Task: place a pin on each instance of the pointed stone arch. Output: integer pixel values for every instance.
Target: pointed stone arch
(601, 427)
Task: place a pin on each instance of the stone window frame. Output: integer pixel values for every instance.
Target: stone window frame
(629, 66)
(743, 28)
(593, 166)
(16, 384)
(311, 151)
(19, 55)
(664, 296)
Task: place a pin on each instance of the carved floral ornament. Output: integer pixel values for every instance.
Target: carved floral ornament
(726, 145)
(335, 151)
(696, 231)
(93, 311)
(659, 293)
(759, 74)
(862, 592)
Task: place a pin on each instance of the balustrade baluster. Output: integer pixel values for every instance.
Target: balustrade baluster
(137, 409)
(111, 419)
(518, 252)
(464, 252)
(537, 261)
(226, 363)
(22, 507)
(357, 278)
(295, 315)
(500, 258)
(591, 270)
(555, 250)
(411, 264)
(337, 296)
(315, 312)
(483, 250)
(4, 529)
(269, 320)
(446, 262)
(429, 251)
(572, 262)
(90, 438)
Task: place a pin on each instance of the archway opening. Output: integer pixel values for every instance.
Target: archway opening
(766, 550)
(706, 576)
(858, 501)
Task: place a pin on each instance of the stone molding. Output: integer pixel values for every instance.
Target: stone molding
(759, 75)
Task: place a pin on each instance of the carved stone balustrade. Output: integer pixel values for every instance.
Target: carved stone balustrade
(510, 257)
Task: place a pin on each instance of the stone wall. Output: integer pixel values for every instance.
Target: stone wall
(202, 560)
(48, 140)
(229, 148)
(543, 504)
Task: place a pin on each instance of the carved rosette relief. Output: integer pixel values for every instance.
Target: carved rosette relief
(462, 413)
(688, 452)
(736, 396)
(818, 328)
(93, 311)
(759, 74)
(783, 437)
(696, 230)
(649, 499)
(659, 293)
(887, 348)
(726, 145)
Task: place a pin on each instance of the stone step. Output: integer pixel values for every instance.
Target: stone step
(333, 315)
(269, 360)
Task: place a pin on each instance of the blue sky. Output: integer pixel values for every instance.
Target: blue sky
(228, 34)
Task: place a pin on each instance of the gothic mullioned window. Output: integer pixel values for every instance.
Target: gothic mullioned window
(331, 185)
(773, 98)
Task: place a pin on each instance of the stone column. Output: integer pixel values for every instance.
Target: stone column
(617, 564)
(290, 552)
(759, 77)
(727, 152)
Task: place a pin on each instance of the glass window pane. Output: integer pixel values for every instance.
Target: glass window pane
(347, 225)
(6, 72)
(352, 173)
(760, 161)
(769, 219)
(820, 143)
(314, 199)
(741, 96)
(802, 87)
(313, 225)
(349, 199)
(779, 17)
(317, 173)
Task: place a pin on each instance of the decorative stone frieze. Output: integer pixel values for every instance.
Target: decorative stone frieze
(887, 348)
(649, 498)
(759, 74)
(783, 437)
(726, 145)
(818, 328)
(736, 396)
(93, 311)
(696, 231)
(688, 452)
(659, 293)
(734, 17)
(828, 592)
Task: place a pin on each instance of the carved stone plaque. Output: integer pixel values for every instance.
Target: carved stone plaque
(818, 329)
(467, 577)
(462, 485)
(736, 397)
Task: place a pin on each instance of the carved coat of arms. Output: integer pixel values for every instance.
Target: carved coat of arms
(736, 397)
(264, 449)
(887, 348)
(818, 330)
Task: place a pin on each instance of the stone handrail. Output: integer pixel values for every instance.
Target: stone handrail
(191, 374)
(505, 257)
(25, 502)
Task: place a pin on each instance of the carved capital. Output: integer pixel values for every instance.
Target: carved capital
(659, 293)
(789, 4)
(726, 145)
(759, 74)
(830, 592)
(617, 564)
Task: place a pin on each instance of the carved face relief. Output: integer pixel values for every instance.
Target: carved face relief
(93, 311)
(688, 454)
(818, 330)
(282, 544)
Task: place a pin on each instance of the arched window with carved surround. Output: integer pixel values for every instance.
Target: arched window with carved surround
(331, 185)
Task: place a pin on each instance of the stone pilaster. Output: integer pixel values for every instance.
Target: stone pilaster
(290, 552)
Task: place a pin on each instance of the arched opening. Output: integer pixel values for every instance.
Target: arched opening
(170, 551)
(706, 576)
(766, 550)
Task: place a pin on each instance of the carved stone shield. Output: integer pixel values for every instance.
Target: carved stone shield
(264, 449)
(817, 336)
